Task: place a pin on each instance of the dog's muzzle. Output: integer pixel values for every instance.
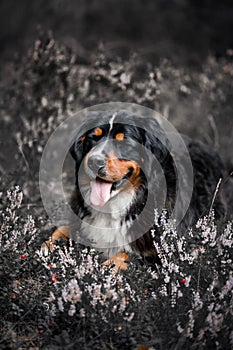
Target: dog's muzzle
(97, 164)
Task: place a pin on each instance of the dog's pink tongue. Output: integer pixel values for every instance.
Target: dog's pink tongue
(100, 192)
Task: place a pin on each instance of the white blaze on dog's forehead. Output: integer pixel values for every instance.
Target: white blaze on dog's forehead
(111, 121)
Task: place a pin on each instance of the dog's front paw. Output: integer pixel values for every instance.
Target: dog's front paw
(119, 262)
(48, 246)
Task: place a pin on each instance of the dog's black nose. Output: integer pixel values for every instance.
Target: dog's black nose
(96, 163)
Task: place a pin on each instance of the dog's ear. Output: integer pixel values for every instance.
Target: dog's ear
(76, 150)
(156, 160)
(156, 140)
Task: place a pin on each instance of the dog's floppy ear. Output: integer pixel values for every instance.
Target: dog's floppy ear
(76, 150)
(156, 140)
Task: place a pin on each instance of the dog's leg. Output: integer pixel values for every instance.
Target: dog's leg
(119, 262)
(60, 232)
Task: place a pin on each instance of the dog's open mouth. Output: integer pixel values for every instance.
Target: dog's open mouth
(101, 190)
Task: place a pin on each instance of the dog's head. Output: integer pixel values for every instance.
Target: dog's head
(114, 153)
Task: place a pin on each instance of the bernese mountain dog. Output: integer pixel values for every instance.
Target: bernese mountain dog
(125, 169)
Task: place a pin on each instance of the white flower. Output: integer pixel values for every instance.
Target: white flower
(60, 304)
(82, 312)
(72, 310)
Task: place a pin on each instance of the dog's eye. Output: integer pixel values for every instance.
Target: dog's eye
(98, 132)
(120, 136)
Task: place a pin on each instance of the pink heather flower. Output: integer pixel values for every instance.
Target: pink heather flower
(179, 328)
(130, 317)
(72, 310)
(228, 287)
(214, 321)
(82, 312)
(197, 302)
(190, 324)
(52, 297)
(60, 304)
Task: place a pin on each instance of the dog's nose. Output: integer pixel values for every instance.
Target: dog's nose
(96, 163)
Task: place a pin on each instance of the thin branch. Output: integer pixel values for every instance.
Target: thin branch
(214, 197)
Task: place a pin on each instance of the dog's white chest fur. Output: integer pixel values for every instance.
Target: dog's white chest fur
(106, 228)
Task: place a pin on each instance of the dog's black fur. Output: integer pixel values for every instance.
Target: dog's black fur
(135, 139)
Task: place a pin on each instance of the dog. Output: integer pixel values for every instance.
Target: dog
(121, 159)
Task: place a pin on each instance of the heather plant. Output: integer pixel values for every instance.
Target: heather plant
(196, 272)
(35, 289)
(184, 300)
(16, 234)
(91, 290)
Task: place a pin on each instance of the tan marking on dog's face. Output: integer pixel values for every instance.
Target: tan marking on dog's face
(135, 178)
(98, 132)
(116, 169)
(120, 136)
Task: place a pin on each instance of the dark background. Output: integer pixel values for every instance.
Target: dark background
(165, 27)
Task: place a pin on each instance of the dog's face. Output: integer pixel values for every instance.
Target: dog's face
(111, 158)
